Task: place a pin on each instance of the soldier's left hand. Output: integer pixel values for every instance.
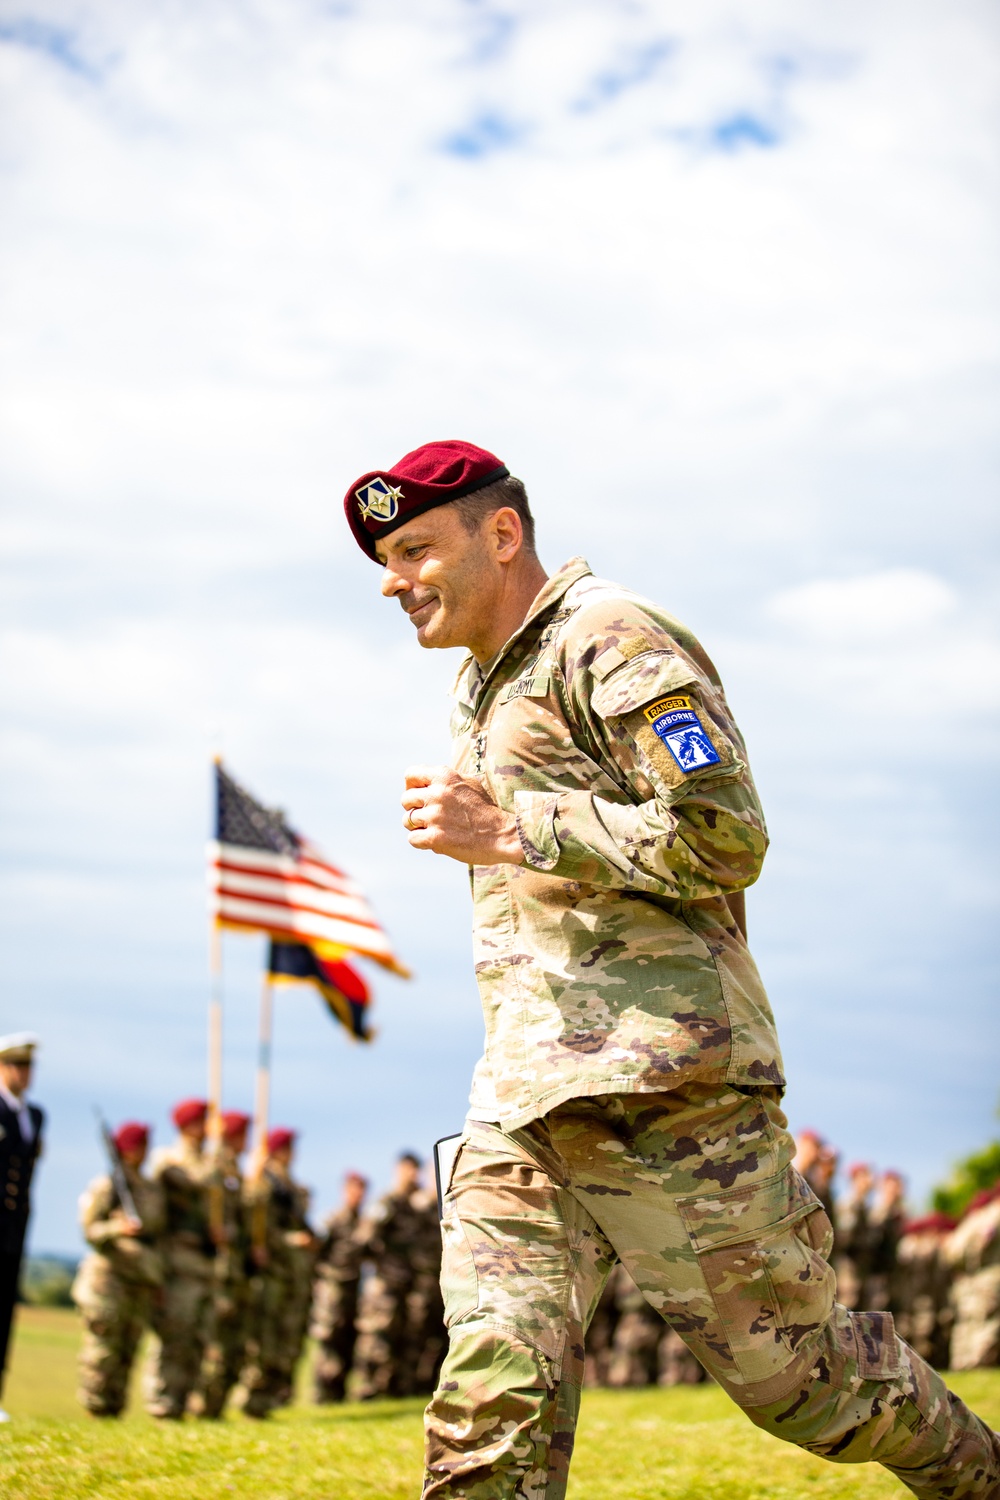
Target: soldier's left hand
(455, 815)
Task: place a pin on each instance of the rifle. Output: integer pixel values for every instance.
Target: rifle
(117, 1170)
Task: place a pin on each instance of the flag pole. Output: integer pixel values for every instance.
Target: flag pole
(262, 1093)
(215, 1030)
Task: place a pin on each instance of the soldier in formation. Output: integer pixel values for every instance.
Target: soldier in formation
(226, 1345)
(383, 1320)
(335, 1294)
(182, 1317)
(282, 1250)
(120, 1283)
(972, 1253)
(920, 1284)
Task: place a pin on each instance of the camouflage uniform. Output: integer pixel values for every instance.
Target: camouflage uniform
(855, 1249)
(182, 1319)
(335, 1303)
(390, 1233)
(426, 1335)
(627, 1105)
(277, 1208)
(973, 1251)
(225, 1351)
(115, 1288)
(918, 1295)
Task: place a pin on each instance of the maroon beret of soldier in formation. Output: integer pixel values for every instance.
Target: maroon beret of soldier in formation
(383, 500)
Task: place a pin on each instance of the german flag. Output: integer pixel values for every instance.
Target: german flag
(344, 990)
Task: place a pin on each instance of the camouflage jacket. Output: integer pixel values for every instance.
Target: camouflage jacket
(226, 1206)
(185, 1174)
(392, 1232)
(276, 1209)
(131, 1258)
(341, 1250)
(609, 962)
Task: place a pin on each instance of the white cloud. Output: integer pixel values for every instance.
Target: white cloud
(886, 604)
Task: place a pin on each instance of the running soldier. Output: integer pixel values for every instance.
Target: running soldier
(182, 1318)
(335, 1295)
(225, 1352)
(628, 1103)
(119, 1281)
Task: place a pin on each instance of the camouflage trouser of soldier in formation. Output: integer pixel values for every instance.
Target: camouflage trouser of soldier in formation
(270, 1358)
(334, 1313)
(226, 1347)
(113, 1322)
(381, 1347)
(694, 1192)
(181, 1322)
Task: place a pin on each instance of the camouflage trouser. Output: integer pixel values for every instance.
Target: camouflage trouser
(335, 1310)
(426, 1335)
(381, 1348)
(694, 1191)
(270, 1354)
(225, 1350)
(113, 1323)
(181, 1323)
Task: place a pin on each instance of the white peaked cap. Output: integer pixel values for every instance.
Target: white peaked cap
(19, 1041)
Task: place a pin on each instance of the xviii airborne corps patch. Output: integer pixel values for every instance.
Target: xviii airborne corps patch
(680, 729)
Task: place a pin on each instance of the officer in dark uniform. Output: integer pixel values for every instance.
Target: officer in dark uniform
(20, 1146)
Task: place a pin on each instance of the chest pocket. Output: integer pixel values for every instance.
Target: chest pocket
(656, 701)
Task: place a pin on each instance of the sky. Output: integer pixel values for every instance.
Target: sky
(719, 283)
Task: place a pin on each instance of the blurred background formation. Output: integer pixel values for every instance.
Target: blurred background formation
(241, 1295)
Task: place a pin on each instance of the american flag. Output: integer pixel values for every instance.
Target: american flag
(265, 877)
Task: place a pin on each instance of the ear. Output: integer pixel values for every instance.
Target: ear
(508, 533)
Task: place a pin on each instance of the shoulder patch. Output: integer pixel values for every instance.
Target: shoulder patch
(675, 722)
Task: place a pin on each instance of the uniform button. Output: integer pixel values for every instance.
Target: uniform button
(10, 1204)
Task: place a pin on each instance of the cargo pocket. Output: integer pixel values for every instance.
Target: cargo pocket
(762, 1252)
(459, 1278)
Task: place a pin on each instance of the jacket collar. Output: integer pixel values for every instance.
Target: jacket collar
(552, 590)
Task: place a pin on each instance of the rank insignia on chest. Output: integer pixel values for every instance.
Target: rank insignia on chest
(379, 500)
(681, 730)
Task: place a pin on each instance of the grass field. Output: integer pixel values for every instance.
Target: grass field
(682, 1444)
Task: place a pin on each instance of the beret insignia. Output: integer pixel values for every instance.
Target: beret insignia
(379, 500)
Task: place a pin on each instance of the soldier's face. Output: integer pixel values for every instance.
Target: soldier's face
(445, 577)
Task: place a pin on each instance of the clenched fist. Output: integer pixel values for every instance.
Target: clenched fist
(453, 815)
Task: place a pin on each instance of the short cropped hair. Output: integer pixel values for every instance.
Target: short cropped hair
(473, 509)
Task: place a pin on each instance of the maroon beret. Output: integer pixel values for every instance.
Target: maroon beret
(131, 1136)
(380, 502)
(278, 1139)
(930, 1224)
(233, 1121)
(189, 1112)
